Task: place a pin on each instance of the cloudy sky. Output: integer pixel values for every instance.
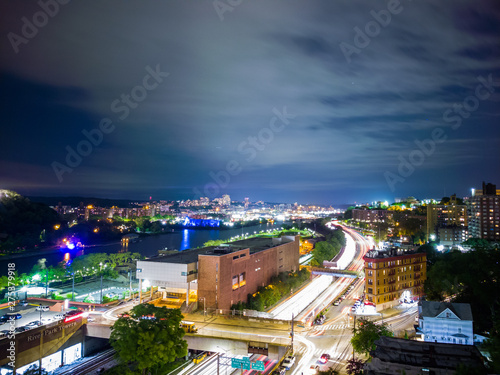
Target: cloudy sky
(308, 101)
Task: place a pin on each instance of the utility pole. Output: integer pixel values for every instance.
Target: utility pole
(291, 333)
(47, 283)
(130, 279)
(354, 329)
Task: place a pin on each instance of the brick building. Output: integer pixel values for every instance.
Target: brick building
(393, 275)
(223, 275)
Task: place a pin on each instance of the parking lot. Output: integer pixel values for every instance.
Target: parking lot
(28, 315)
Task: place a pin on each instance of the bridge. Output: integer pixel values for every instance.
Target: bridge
(208, 339)
(333, 272)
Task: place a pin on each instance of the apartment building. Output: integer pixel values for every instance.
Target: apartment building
(393, 276)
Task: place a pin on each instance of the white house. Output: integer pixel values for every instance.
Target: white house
(445, 322)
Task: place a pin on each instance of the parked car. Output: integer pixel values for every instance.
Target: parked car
(23, 303)
(313, 370)
(288, 362)
(336, 302)
(34, 323)
(21, 329)
(3, 319)
(324, 358)
(58, 317)
(4, 333)
(14, 316)
(42, 308)
(280, 371)
(72, 312)
(46, 320)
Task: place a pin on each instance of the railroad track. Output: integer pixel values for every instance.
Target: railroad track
(94, 363)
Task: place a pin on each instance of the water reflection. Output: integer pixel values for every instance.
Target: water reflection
(185, 240)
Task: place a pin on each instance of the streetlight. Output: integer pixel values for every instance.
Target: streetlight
(204, 307)
(218, 355)
(40, 313)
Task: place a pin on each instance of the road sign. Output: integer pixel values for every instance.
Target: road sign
(240, 363)
(259, 366)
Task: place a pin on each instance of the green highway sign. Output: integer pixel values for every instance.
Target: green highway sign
(259, 366)
(240, 363)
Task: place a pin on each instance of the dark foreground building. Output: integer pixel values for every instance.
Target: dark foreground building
(401, 356)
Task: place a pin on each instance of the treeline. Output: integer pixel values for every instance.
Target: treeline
(82, 266)
(281, 285)
(471, 277)
(24, 224)
(328, 249)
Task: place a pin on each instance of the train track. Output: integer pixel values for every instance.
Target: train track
(94, 363)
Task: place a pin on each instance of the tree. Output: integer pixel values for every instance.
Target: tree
(354, 366)
(149, 342)
(34, 370)
(365, 335)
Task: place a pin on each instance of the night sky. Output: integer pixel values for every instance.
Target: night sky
(312, 101)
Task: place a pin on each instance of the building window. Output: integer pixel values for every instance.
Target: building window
(243, 279)
(235, 282)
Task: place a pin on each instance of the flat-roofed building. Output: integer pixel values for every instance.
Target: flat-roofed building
(484, 213)
(220, 276)
(400, 356)
(394, 275)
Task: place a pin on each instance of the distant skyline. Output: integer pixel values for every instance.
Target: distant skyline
(314, 102)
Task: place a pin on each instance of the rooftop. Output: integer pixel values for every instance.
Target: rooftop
(425, 354)
(434, 308)
(255, 245)
(390, 253)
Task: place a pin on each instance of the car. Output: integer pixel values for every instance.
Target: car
(336, 302)
(46, 320)
(324, 358)
(23, 303)
(313, 370)
(58, 317)
(4, 333)
(14, 316)
(72, 312)
(3, 319)
(280, 371)
(34, 323)
(288, 362)
(42, 308)
(21, 329)
(110, 295)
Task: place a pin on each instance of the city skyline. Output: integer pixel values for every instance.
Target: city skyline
(318, 104)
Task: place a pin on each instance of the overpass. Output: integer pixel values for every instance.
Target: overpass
(333, 272)
(209, 339)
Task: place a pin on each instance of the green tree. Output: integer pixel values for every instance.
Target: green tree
(365, 335)
(355, 366)
(149, 343)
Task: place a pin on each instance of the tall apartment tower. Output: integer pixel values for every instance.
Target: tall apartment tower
(447, 222)
(484, 213)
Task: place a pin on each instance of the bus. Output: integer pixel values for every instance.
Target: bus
(189, 327)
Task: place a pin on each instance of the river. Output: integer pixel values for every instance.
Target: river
(147, 246)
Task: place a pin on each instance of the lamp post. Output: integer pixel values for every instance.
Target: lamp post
(40, 313)
(204, 308)
(100, 271)
(218, 360)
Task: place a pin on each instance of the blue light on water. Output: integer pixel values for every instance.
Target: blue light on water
(189, 222)
(185, 240)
